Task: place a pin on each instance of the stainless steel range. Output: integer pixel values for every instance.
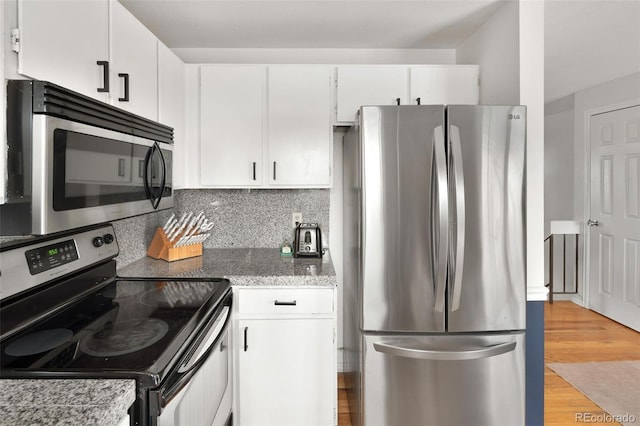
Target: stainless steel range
(65, 314)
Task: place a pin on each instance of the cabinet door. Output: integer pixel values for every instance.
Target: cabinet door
(369, 85)
(171, 105)
(286, 372)
(231, 115)
(61, 42)
(300, 131)
(445, 84)
(134, 56)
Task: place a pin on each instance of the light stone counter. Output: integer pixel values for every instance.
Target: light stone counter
(94, 402)
(243, 267)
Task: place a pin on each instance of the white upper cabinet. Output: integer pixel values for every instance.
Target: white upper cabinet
(265, 127)
(444, 84)
(299, 125)
(134, 64)
(75, 44)
(390, 84)
(231, 125)
(62, 41)
(369, 85)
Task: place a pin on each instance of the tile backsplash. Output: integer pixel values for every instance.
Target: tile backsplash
(258, 218)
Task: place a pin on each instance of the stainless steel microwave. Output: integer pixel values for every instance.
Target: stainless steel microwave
(73, 161)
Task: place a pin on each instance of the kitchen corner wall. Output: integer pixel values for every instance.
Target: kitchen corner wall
(135, 233)
(241, 218)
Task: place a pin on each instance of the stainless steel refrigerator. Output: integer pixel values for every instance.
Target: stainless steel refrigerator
(434, 265)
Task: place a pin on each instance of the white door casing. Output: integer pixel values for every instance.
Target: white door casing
(613, 260)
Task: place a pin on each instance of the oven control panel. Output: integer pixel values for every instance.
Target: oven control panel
(48, 257)
(41, 259)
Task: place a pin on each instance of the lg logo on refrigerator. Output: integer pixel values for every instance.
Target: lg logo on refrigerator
(514, 116)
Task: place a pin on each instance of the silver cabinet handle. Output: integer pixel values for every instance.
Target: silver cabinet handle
(439, 252)
(593, 222)
(456, 255)
(445, 355)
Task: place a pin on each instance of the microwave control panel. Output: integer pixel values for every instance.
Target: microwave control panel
(52, 256)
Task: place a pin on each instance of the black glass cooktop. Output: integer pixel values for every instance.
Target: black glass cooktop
(127, 326)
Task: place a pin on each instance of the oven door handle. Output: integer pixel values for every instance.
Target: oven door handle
(187, 368)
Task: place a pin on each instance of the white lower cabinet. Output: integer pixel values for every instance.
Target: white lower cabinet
(286, 371)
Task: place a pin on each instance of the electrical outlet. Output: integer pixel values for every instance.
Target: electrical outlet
(295, 219)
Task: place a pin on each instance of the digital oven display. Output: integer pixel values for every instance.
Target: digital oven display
(44, 258)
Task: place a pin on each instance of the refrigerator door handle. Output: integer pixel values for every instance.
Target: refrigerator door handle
(439, 251)
(457, 246)
(445, 355)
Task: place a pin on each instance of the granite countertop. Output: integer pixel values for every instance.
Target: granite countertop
(65, 401)
(243, 267)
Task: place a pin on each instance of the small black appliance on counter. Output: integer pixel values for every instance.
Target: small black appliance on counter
(307, 240)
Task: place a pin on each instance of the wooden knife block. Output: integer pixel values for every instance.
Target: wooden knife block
(161, 248)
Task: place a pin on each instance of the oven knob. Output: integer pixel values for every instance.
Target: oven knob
(108, 238)
(98, 242)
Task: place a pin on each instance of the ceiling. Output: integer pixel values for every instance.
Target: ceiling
(586, 41)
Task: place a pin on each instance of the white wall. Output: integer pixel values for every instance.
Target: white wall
(495, 48)
(531, 35)
(509, 47)
(559, 185)
(335, 235)
(559, 167)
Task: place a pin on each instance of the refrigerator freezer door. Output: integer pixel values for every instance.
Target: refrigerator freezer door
(404, 218)
(487, 282)
(443, 380)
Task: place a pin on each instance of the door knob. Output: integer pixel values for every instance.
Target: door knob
(593, 222)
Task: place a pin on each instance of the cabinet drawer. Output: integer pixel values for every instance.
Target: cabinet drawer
(285, 301)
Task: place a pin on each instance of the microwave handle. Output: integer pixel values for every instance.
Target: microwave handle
(145, 178)
(155, 201)
(163, 181)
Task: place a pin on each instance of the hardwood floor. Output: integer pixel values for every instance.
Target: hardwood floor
(572, 334)
(344, 419)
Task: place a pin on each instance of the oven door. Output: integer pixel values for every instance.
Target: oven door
(84, 175)
(199, 391)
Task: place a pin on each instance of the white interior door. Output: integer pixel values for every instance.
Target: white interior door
(614, 234)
